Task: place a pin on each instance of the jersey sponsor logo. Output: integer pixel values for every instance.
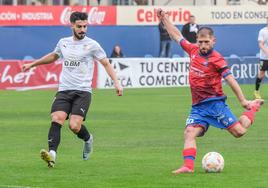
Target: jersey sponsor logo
(72, 63)
(197, 71)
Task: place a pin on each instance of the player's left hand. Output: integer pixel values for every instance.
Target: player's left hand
(266, 52)
(119, 89)
(26, 67)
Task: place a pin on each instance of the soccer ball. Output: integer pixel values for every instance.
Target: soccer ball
(213, 162)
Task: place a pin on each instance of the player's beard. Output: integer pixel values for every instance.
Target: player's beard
(205, 51)
(80, 35)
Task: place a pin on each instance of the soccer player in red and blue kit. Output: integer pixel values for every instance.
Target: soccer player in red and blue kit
(207, 68)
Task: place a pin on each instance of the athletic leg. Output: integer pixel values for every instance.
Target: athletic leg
(81, 131)
(246, 119)
(189, 150)
(263, 68)
(79, 111)
(168, 49)
(58, 119)
(54, 133)
(59, 113)
(162, 48)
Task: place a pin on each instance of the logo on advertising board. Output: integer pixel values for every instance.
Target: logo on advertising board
(123, 73)
(176, 15)
(147, 15)
(54, 15)
(96, 15)
(11, 76)
(40, 77)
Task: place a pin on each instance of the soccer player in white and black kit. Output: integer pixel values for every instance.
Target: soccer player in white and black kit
(263, 44)
(74, 94)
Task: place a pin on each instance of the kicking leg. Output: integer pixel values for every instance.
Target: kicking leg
(246, 120)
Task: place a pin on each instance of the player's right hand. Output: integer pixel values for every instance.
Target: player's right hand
(160, 13)
(26, 67)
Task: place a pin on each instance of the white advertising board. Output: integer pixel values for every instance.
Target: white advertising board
(146, 15)
(146, 72)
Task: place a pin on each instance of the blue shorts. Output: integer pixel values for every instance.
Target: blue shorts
(215, 113)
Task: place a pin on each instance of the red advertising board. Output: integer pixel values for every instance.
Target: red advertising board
(41, 77)
(54, 15)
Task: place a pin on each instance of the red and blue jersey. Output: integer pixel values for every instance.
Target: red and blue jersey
(205, 74)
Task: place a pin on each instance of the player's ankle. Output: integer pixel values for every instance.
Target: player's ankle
(189, 167)
(53, 154)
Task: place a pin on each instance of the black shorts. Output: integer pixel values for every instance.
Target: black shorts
(72, 102)
(263, 65)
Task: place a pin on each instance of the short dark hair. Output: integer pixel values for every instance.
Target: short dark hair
(78, 16)
(205, 31)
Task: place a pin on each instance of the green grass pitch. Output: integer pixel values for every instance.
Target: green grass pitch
(138, 140)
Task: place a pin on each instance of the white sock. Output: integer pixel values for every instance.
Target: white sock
(53, 154)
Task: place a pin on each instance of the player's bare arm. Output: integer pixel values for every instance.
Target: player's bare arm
(109, 69)
(237, 90)
(173, 31)
(49, 58)
(262, 47)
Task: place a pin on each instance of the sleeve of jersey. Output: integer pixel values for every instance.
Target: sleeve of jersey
(222, 67)
(99, 53)
(57, 50)
(187, 46)
(260, 37)
(225, 72)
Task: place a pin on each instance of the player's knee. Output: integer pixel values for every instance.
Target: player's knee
(74, 126)
(239, 133)
(262, 74)
(58, 118)
(189, 133)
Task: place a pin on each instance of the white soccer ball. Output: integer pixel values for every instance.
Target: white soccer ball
(213, 162)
